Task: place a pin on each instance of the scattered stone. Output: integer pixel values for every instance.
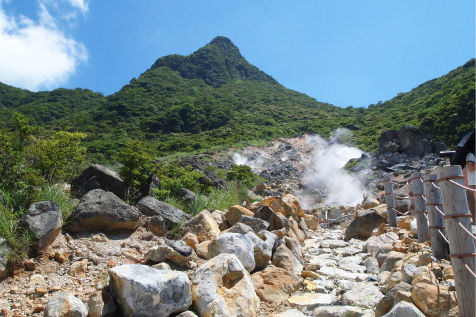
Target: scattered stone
(255, 223)
(362, 295)
(190, 239)
(405, 309)
(4, 265)
(202, 249)
(223, 287)
(187, 195)
(310, 301)
(144, 291)
(312, 222)
(235, 212)
(285, 258)
(79, 268)
(337, 311)
(100, 237)
(30, 265)
(176, 251)
(433, 300)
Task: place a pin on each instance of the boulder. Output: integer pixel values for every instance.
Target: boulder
(176, 251)
(292, 206)
(157, 225)
(269, 238)
(285, 258)
(255, 223)
(405, 309)
(153, 182)
(388, 142)
(98, 177)
(295, 248)
(277, 205)
(276, 221)
(275, 285)
(390, 260)
(187, 195)
(433, 300)
(363, 225)
(294, 226)
(369, 202)
(101, 304)
(4, 265)
(262, 250)
(310, 301)
(102, 210)
(209, 178)
(144, 291)
(202, 225)
(363, 294)
(219, 217)
(235, 212)
(312, 222)
(191, 240)
(240, 228)
(202, 249)
(386, 302)
(413, 142)
(44, 220)
(381, 244)
(223, 287)
(237, 244)
(173, 217)
(62, 304)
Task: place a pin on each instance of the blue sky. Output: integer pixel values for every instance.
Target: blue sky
(344, 52)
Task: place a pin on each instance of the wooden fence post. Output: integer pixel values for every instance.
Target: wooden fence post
(433, 201)
(420, 207)
(390, 200)
(462, 248)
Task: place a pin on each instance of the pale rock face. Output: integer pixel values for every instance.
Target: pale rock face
(433, 300)
(362, 295)
(65, 305)
(223, 287)
(310, 301)
(237, 244)
(405, 309)
(262, 251)
(345, 311)
(141, 290)
(312, 222)
(176, 251)
(202, 225)
(235, 212)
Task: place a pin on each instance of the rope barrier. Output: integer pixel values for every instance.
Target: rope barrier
(466, 255)
(467, 231)
(426, 217)
(457, 216)
(462, 186)
(440, 211)
(417, 177)
(444, 238)
(449, 177)
(469, 269)
(434, 185)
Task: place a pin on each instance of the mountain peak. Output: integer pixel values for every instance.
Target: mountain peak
(217, 63)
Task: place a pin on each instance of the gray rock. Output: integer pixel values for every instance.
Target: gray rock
(101, 304)
(187, 314)
(262, 250)
(255, 223)
(363, 225)
(153, 182)
(157, 226)
(176, 251)
(102, 210)
(390, 260)
(149, 206)
(389, 141)
(404, 309)
(4, 265)
(407, 272)
(269, 238)
(144, 291)
(371, 264)
(276, 220)
(44, 220)
(187, 195)
(234, 243)
(65, 305)
(98, 177)
(240, 228)
(380, 244)
(387, 301)
(413, 141)
(209, 178)
(295, 248)
(223, 287)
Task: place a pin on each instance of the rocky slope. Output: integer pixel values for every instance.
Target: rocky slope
(268, 258)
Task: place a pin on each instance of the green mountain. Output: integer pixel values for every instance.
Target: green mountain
(214, 98)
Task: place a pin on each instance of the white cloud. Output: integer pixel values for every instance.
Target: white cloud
(37, 54)
(82, 5)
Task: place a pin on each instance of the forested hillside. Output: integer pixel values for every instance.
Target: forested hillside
(214, 98)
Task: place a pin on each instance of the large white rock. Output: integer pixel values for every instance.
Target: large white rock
(405, 309)
(223, 287)
(262, 250)
(141, 290)
(237, 244)
(310, 301)
(362, 295)
(331, 311)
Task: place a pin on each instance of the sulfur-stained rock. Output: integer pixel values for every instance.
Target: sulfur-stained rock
(433, 300)
(312, 222)
(275, 284)
(203, 225)
(144, 291)
(285, 258)
(191, 240)
(292, 206)
(294, 226)
(223, 287)
(390, 260)
(276, 220)
(202, 249)
(363, 225)
(235, 212)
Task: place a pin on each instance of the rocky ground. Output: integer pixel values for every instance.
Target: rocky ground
(269, 258)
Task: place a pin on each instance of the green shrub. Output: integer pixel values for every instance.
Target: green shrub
(242, 173)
